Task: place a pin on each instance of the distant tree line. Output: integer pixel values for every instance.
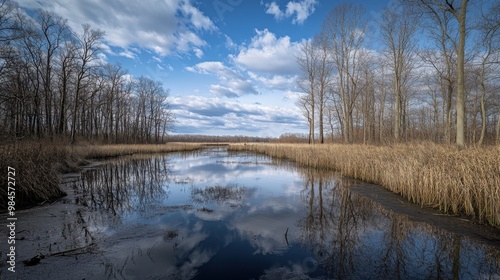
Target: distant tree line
(215, 139)
(425, 70)
(296, 138)
(54, 84)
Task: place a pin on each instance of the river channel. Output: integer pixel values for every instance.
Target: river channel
(215, 214)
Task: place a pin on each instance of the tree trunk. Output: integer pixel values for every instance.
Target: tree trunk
(483, 109)
(498, 126)
(397, 110)
(461, 76)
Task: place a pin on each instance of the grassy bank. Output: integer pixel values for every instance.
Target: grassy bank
(37, 166)
(456, 182)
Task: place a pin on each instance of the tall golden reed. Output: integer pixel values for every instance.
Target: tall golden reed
(36, 167)
(463, 182)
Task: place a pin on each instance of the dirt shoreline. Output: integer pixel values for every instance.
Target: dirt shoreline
(59, 236)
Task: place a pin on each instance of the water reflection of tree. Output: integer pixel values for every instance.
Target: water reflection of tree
(353, 237)
(125, 185)
(331, 227)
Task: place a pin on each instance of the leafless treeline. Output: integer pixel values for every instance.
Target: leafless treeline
(216, 139)
(424, 70)
(54, 84)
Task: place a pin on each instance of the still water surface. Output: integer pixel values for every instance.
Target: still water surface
(214, 214)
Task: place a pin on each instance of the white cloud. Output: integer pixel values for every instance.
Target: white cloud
(209, 67)
(198, 52)
(276, 82)
(293, 96)
(231, 82)
(274, 9)
(230, 43)
(299, 10)
(128, 53)
(165, 27)
(269, 54)
(302, 10)
(198, 19)
(224, 116)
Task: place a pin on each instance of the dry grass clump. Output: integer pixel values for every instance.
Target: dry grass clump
(463, 182)
(37, 167)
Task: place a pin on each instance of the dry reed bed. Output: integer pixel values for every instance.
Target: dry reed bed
(36, 172)
(38, 165)
(463, 182)
(104, 151)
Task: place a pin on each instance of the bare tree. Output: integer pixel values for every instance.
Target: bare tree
(308, 62)
(440, 11)
(486, 65)
(151, 108)
(345, 28)
(114, 77)
(433, 100)
(443, 60)
(9, 32)
(67, 65)
(53, 30)
(460, 14)
(305, 103)
(489, 28)
(323, 79)
(398, 29)
(368, 102)
(89, 45)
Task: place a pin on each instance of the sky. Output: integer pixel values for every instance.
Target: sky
(229, 65)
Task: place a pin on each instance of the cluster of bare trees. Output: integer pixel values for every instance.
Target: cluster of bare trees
(54, 84)
(427, 70)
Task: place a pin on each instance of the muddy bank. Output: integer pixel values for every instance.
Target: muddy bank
(55, 240)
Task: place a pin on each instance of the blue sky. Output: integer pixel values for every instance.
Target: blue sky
(229, 65)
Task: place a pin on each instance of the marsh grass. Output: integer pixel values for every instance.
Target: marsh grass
(39, 164)
(463, 182)
(36, 168)
(105, 151)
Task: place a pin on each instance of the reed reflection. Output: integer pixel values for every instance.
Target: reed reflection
(352, 236)
(232, 194)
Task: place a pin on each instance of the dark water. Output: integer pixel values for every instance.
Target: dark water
(219, 215)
